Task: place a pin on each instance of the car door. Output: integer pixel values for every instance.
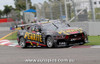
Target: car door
(28, 35)
(36, 34)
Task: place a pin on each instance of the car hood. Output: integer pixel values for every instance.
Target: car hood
(70, 30)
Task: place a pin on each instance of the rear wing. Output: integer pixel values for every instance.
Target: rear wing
(21, 27)
(25, 25)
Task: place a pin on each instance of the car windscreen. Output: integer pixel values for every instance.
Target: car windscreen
(49, 27)
(62, 25)
(54, 26)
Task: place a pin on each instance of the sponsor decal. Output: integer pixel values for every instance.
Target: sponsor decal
(34, 37)
(70, 31)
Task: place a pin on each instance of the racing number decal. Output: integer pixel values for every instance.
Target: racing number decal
(34, 37)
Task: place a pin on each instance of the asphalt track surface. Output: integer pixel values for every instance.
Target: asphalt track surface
(5, 28)
(4, 31)
(15, 55)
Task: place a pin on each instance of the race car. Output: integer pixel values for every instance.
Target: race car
(51, 35)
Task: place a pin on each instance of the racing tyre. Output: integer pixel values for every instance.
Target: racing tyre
(85, 41)
(22, 43)
(50, 42)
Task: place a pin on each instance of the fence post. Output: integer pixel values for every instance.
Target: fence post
(51, 13)
(92, 9)
(66, 10)
(75, 11)
(61, 13)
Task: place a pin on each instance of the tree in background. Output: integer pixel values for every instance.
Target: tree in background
(55, 7)
(1, 13)
(47, 10)
(97, 13)
(21, 4)
(7, 10)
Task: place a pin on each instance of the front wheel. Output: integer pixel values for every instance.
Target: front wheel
(22, 43)
(84, 41)
(49, 42)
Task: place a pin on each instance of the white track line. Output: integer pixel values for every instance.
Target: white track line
(98, 46)
(4, 43)
(12, 45)
(3, 40)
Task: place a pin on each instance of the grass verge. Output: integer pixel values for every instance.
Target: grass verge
(93, 40)
(12, 37)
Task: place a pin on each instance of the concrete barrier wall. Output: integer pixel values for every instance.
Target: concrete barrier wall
(7, 24)
(4, 20)
(92, 28)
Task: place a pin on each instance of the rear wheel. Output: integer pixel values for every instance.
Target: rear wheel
(22, 43)
(49, 42)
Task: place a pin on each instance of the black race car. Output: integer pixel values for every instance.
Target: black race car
(51, 35)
